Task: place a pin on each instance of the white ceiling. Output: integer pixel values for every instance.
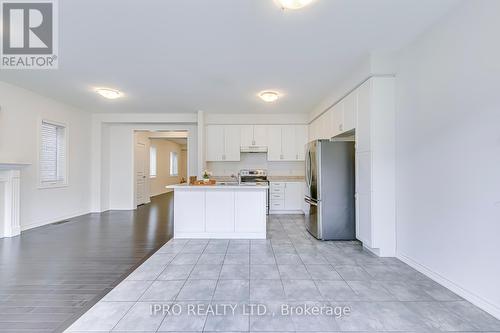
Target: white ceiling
(189, 55)
(179, 141)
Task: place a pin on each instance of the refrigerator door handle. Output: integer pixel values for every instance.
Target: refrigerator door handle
(309, 201)
(308, 166)
(309, 169)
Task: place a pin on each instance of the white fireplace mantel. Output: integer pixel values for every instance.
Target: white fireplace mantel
(10, 179)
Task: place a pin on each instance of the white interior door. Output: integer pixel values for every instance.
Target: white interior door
(141, 193)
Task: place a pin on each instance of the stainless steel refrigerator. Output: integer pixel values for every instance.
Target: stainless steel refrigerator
(329, 194)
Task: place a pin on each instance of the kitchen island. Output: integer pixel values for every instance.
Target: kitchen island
(220, 211)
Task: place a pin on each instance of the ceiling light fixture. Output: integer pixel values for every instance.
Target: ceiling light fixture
(269, 96)
(294, 4)
(109, 93)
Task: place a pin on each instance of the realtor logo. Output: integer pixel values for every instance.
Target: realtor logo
(29, 34)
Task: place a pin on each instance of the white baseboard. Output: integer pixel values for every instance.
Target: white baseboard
(478, 301)
(53, 220)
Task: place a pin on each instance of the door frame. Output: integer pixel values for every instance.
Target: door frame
(134, 171)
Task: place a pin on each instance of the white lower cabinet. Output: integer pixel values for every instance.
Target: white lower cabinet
(294, 195)
(245, 214)
(190, 208)
(286, 197)
(219, 211)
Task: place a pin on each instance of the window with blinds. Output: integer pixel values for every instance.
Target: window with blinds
(174, 164)
(152, 162)
(52, 154)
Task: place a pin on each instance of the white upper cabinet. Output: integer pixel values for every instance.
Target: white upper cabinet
(283, 142)
(232, 137)
(260, 133)
(325, 125)
(223, 142)
(215, 142)
(286, 142)
(254, 135)
(322, 127)
(289, 147)
(344, 114)
(313, 131)
(247, 136)
(337, 119)
(301, 141)
(350, 110)
(274, 143)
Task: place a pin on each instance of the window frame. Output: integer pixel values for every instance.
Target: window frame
(65, 181)
(151, 148)
(171, 164)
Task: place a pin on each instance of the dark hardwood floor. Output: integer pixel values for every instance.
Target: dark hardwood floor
(52, 274)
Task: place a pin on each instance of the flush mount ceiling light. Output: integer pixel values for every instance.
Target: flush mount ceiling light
(109, 93)
(293, 4)
(269, 96)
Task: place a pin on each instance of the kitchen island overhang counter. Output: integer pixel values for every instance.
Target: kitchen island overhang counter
(220, 211)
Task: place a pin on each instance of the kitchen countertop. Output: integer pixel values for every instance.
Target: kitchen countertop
(286, 178)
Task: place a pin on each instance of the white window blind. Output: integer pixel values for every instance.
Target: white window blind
(152, 162)
(52, 154)
(174, 164)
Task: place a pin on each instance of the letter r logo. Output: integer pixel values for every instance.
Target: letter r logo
(27, 27)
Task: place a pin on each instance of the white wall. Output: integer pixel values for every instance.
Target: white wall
(101, 149)
(119, 175)
(163, 149)
(20, 115)
(448, 152)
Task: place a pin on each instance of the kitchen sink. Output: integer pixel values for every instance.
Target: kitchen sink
(227, 183)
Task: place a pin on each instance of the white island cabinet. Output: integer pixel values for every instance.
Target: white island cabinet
(219, 211)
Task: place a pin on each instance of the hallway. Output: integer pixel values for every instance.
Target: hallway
(50, 275)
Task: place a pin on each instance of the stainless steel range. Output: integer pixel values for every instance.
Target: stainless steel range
(255, 177)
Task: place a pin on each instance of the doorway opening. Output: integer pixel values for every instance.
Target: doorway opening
(160, 159)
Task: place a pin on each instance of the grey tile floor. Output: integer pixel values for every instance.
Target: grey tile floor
(289, 268)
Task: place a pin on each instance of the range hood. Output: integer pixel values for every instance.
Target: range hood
(253, 149)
